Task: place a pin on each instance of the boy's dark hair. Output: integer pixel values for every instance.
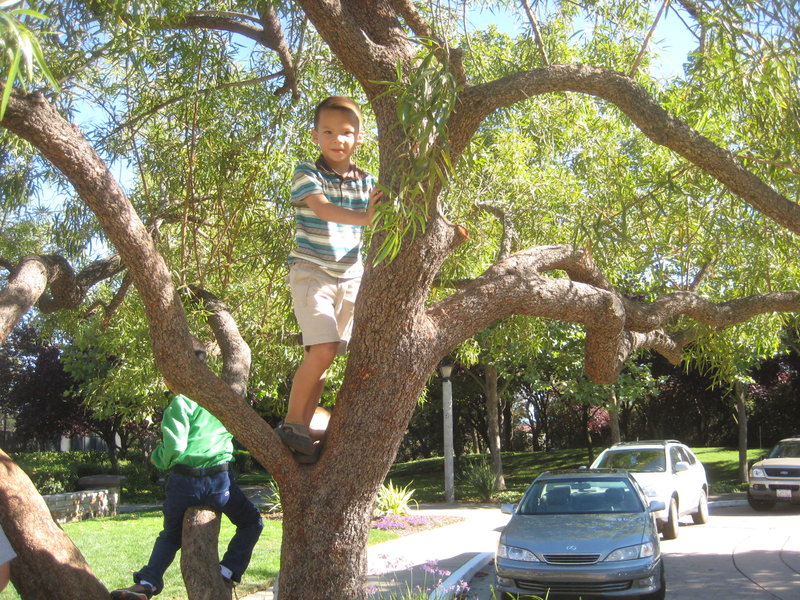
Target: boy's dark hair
(342, 103)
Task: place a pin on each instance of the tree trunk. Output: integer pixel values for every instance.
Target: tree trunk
(508, 425)
(48, 565)
(741, 413)
(493, 425)
(199, 556)
(613, 414)
(321, 560)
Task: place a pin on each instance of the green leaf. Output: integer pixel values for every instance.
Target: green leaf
(12, 74)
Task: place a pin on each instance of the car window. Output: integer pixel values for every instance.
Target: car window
(688, 455)
(675, 456)
(581, 496)
(648, 460)
(786, 450)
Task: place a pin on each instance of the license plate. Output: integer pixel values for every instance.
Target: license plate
(784, 493)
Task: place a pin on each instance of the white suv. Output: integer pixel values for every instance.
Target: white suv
(668, 471)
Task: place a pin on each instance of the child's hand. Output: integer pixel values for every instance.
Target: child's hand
(375, 194)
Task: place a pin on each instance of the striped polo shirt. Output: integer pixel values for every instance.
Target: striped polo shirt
(333, 247)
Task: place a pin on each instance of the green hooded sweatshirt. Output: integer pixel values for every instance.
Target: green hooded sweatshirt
(192, 437)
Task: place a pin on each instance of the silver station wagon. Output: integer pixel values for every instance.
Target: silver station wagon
(587, 532)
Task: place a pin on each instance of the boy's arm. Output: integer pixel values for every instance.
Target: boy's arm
(328, 211)
(175, 431)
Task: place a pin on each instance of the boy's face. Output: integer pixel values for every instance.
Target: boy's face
(337, 134)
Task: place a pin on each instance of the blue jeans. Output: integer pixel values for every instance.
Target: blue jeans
(219, 492)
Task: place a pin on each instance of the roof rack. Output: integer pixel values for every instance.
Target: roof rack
(646, 442)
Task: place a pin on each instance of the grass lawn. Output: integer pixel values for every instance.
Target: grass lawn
(114, 547)
(426, 476)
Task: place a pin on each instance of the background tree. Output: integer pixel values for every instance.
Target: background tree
(629, 226)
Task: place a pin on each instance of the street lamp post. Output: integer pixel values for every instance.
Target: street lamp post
(446, 369)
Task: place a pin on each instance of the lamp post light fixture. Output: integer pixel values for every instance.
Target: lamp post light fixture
(445, 370)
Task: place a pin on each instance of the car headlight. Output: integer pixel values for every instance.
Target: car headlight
(632, 552)
(758, 472)
(514, 553)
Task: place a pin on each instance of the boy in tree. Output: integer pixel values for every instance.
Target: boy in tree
(197, 450)
(334, 201)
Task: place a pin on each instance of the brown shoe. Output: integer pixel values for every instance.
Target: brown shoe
(296, 438)
(135, 592)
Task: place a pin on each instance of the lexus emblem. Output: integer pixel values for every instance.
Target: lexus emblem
(572, 548)
(784, 472)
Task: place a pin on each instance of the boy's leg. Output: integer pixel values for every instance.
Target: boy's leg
(308, 383)
(247, 519)
(180, 492)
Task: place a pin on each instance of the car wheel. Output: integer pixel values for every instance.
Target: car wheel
(701, 516)
(670, 528)
(760, 505)
(658, 594)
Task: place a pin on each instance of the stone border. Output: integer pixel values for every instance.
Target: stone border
(88, 504)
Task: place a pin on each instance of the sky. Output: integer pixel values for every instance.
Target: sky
(671, 36)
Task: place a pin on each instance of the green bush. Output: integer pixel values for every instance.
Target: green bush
(393, 500)
(507, 497)
(53, 478)
(479, 475)
(244, 462)
(274, 504)
(58, 472)
(141, 477)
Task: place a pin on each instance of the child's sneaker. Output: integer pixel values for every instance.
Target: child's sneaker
(135, 592)
(296, 437)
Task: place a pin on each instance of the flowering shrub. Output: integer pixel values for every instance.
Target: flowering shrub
(389, 522)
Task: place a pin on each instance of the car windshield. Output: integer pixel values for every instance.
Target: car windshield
(648, 460)
(786, 450)
(580, 496)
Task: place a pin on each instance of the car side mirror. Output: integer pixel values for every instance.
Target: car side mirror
(656, 505)
(508, 509)
(680, 467)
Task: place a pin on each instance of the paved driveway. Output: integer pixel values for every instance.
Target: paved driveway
(739, 554)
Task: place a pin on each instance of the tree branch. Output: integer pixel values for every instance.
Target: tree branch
(615, 326)
(34, 119)
(537, 34)
(26, 284)
(646, 41)
(452, 57)
(235, 351)
(269, 35)
(632, 99)
(509, 235)
(162, 105)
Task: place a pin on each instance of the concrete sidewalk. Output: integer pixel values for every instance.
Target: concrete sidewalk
(436, 560)
(439, 560)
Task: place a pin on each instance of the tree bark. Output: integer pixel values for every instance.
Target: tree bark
(613, 414)
(199, 555)
(48, 565)
(740, 390)
(493, 425)
(25, 285)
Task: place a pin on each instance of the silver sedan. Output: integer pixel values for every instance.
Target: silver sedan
(582, 532)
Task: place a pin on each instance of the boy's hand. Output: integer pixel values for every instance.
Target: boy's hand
(375, 194)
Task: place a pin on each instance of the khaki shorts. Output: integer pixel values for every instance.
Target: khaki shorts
(323, 305)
